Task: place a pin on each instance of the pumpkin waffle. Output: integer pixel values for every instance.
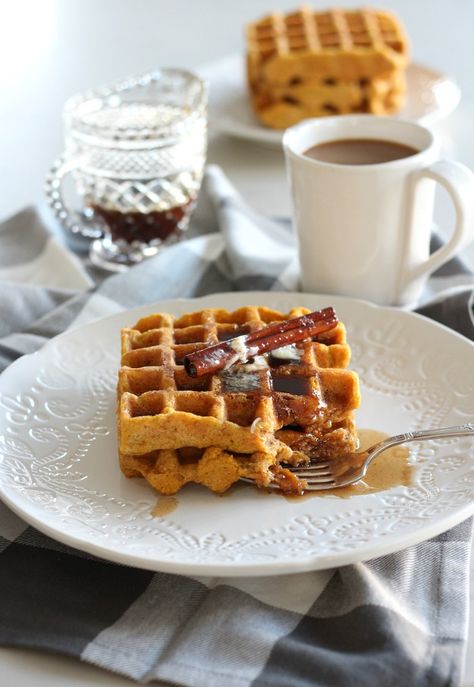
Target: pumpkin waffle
(310, 64)
(168, 470)
(243, 421)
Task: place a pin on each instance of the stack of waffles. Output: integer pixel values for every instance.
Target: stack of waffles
(244, 421)
(309, 64)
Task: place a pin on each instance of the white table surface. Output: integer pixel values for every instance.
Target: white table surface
(50, 49)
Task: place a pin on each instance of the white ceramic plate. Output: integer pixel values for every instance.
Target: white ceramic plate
(431, 96)
(59, 469)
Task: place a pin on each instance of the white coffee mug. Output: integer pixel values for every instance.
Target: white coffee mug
(364, 230)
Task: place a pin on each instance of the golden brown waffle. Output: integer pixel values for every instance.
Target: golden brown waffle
(170, 469)
(309, 64)
(251, 416)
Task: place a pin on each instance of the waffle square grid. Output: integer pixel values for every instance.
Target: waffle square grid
(160, 407)
(308, 64)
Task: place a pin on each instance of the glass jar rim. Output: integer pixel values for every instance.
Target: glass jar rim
(78, 106)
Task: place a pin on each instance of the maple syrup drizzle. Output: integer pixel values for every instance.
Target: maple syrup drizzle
(296, 385)
(164, 506)
(391, 469)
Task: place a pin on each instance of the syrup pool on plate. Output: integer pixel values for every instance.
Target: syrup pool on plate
(390, 469)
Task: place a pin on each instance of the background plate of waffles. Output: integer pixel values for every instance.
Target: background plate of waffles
(431, 96)
(59, 467)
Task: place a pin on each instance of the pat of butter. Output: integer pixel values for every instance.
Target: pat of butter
(242, 351)
(289, 352)
(259, 363)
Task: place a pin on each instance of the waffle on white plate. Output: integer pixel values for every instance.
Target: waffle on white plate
(243, 421)
(310, 64)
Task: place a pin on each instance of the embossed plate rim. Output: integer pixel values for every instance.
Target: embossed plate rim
(353, 312)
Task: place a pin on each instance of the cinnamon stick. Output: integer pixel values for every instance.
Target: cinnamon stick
(218, 356)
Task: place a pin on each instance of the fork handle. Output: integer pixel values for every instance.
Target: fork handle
(440, 433)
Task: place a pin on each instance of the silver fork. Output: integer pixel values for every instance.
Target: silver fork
(351, 467)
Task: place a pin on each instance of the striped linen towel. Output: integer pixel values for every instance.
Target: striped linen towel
(399, 619)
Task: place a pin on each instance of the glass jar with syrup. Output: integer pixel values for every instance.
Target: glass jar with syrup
(136, 151)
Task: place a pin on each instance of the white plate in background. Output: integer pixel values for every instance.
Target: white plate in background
(431, 96)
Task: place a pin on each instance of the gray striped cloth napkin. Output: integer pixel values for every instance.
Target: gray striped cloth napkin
(397, 620)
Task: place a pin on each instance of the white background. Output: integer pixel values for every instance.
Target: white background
(50, 49)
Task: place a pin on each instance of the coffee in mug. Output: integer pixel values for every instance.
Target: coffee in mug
(359, 151)
(363, 195)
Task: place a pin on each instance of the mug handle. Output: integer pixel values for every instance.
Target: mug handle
(74, 222)
(458, 181)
